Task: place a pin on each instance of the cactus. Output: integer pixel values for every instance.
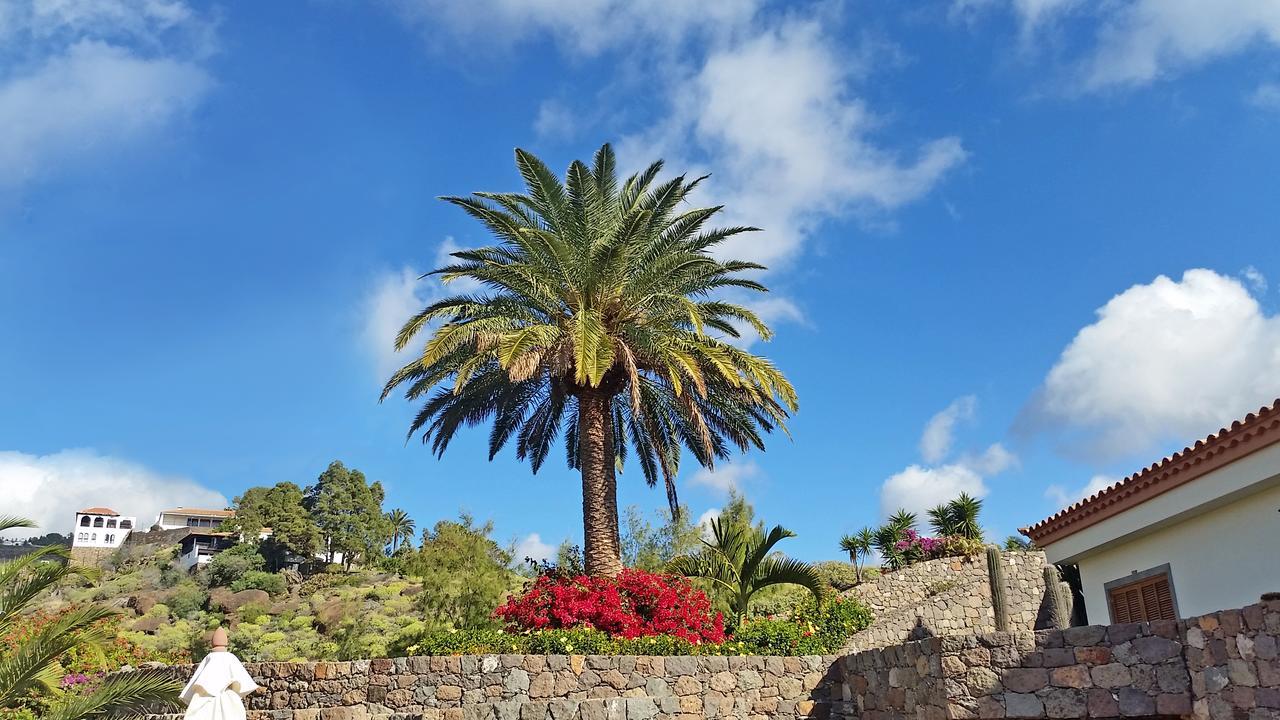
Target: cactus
(1059, 608)
(995, 572)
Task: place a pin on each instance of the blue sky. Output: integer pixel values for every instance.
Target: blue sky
(1016, 248)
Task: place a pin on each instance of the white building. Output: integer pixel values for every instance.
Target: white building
(199, 547)
(101, 528)
(1195, 533)
(181, 517)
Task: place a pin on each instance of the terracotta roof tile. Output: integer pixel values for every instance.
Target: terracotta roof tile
(99, 511)
(1254, 432)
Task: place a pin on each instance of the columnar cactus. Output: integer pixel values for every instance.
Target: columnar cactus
(1059, 607)
(995, 572)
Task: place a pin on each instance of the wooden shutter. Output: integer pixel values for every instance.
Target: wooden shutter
(1148, 599)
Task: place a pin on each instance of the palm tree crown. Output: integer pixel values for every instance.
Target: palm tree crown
(402, 527)
(738, 561)
(595, 322)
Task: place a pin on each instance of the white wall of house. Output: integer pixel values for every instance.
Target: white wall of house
(172, 520)
(101, 531)
(1220, 535)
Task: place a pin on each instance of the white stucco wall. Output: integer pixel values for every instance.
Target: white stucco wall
(1224, 558)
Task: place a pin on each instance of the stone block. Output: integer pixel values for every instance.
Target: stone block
(1064, 703)
(1102, 704)
(1135, 703)
(449, 693)
(1084, 635)
(681, 665)
(1073, 676)
(1023, 705)
(1241, 672)
(1097, 655)
(1111, 675)
(1058, 657)
(1155, 649)
(1025, 680)
(983, 681)
(1173, 704)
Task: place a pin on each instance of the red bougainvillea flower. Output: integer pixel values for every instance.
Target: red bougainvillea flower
(633, 604)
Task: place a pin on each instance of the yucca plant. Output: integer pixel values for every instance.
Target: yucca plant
(887, 537)
(739, 561)
(31, 665)
(601, 318)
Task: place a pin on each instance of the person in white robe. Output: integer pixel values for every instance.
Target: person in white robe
(219, 685)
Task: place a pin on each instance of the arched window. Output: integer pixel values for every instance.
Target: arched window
(84, 521)
(94, 537)
(111, 523)
(97, 522)
(126, 524)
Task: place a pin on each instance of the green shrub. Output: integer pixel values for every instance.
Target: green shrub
(254, 613)
(171, 575)
(230, 565)
(272, 583)
(186, 599)
(832, 622)
(838, 575)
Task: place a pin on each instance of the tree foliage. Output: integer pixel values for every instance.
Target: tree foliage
(959, 517)
(294, 534)
(649, 547)
(402, 528)
(602, 320)
(348, 511)
(466, 574)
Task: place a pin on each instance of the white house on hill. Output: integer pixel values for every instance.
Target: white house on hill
(101, 528)
(1195, 533)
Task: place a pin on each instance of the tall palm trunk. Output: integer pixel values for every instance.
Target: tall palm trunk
(602, 551)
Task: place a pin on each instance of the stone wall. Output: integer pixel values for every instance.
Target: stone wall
(950, 596)
(1222, 666)
(538, 687)
(1234, 665)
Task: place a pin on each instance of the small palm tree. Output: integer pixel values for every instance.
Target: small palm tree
(737, 561)
(859, 546)
(32, 665)
(887, 537)
(601, 320)
(402, 528)
(941, 520)
(964, 512)
(1013, 542)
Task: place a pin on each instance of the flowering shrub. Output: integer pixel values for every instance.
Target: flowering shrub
(634, 604)
(915, 548)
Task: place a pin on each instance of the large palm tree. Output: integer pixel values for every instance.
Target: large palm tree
(601, 319)
(32, 664)
(738, 562)
(402, 528)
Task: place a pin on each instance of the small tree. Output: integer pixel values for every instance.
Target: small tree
(859, 547)
(466, 574)
(348, 511)
(890, 534)
(402, 528)
(740, 563)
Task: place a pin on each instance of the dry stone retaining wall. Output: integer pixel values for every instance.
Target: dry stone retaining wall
(951, 596)
(541, 687)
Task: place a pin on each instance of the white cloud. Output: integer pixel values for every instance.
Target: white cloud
(586, 27)
(533, 547)
(918, 488)
(775, 117)
(1171, 360)
(555, 120)
(1255, 278)
(1266, 96)
(921, 486)
(1142, 41)
(1063, 497)
(704, 522)
(727, 477)
(394, 297)
(49, 489)
(97, 75)
(936, 440)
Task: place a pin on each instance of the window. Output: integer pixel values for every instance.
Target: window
(84, 521)
(110, 538)
(94, 537)
(83, 536)
(97, 522)
(126, 524)
(1142, 596)
(111, 523)
(200, 522)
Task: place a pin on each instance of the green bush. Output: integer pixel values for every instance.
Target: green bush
(230, 565)
(254, 613)
(272, 583)
(186, 599)
(171, 575)
(838, 575)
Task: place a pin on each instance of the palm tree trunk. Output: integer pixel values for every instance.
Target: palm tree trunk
(602, 550)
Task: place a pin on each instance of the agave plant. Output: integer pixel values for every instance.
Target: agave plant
(32, 664)
(739, 562)
(601, 319)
